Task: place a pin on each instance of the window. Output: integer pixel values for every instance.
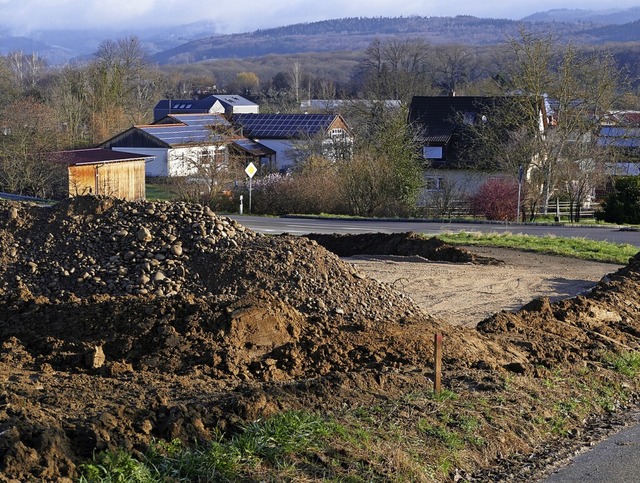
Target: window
(469, 118)
(338, 133)
(432, 152)
(434, 183)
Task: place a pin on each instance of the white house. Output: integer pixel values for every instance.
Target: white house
(177, 148)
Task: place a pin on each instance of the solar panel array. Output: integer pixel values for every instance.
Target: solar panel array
(621, 137)
(201, 119)
(180, 134)
(283, 125)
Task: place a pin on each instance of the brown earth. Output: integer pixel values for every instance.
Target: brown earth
(121, 323)
(466, 293)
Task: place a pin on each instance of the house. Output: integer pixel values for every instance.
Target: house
(104, 172)
(251, 151)
(180, 143)
(227, 104)
(620, 134)
(288, 134)
(453, 172)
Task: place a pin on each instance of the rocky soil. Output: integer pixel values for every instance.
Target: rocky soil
(121, 323)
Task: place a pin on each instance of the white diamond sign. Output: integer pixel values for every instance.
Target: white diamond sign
(251, 170)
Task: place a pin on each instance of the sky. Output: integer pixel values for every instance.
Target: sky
(239, 16)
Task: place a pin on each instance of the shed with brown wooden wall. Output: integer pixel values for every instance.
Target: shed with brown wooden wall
(105, 172)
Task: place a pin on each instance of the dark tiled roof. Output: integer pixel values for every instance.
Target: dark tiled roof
(442, 115)
(95, 155)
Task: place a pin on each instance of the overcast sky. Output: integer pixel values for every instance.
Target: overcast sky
(248, 15)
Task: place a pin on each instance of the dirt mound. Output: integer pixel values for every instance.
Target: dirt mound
(124, 322)
(403, 244)
(103, 293)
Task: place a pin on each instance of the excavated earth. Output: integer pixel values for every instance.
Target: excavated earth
(121, 323)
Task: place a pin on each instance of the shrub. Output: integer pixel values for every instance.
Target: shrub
(497, 199)
(623, 204)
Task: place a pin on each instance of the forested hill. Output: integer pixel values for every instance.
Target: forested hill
(357, 33)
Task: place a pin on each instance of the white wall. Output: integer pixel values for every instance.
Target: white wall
(184, 161)
(155, 167)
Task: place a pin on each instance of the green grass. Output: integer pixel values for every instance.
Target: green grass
(626, 363)
(569, 247)
(265, 442)
(160, 192)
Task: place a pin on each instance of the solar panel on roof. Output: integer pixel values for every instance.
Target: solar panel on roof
(284, 125)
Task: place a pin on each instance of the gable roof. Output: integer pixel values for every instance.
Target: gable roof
(164, 136)
(232, 100)
(77, 157)
(284, 126)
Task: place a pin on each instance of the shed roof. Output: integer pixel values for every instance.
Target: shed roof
(95, 156)
(253, 148)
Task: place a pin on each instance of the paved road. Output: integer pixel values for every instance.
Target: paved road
(617, 459)
(302, 226)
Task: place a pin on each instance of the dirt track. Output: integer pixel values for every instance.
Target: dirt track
(464, 294)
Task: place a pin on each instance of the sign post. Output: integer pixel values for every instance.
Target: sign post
(250, 170)
(437, 363)
(520, 176)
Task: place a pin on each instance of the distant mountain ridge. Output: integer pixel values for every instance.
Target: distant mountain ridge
(62, 46)
(602, 17)
(199, 41)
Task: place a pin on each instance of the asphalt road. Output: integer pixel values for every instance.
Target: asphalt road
(302, 226)
(614, 460)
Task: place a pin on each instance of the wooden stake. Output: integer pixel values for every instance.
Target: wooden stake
(437, 363)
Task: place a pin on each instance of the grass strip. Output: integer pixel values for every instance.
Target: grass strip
(582, 248)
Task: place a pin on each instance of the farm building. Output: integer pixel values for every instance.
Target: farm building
(105, 172)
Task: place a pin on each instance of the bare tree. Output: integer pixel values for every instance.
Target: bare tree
(29, 135)
(396, 69)
(557, 97)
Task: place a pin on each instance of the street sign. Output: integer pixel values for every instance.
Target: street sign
(251, 170)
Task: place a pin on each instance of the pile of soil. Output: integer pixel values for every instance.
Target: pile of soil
(403, 244)
(122, 322)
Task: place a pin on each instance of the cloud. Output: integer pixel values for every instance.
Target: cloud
(248, 15)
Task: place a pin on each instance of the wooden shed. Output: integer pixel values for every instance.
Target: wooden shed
(105, 172)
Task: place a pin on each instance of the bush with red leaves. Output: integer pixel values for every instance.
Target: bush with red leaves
(497, 199)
